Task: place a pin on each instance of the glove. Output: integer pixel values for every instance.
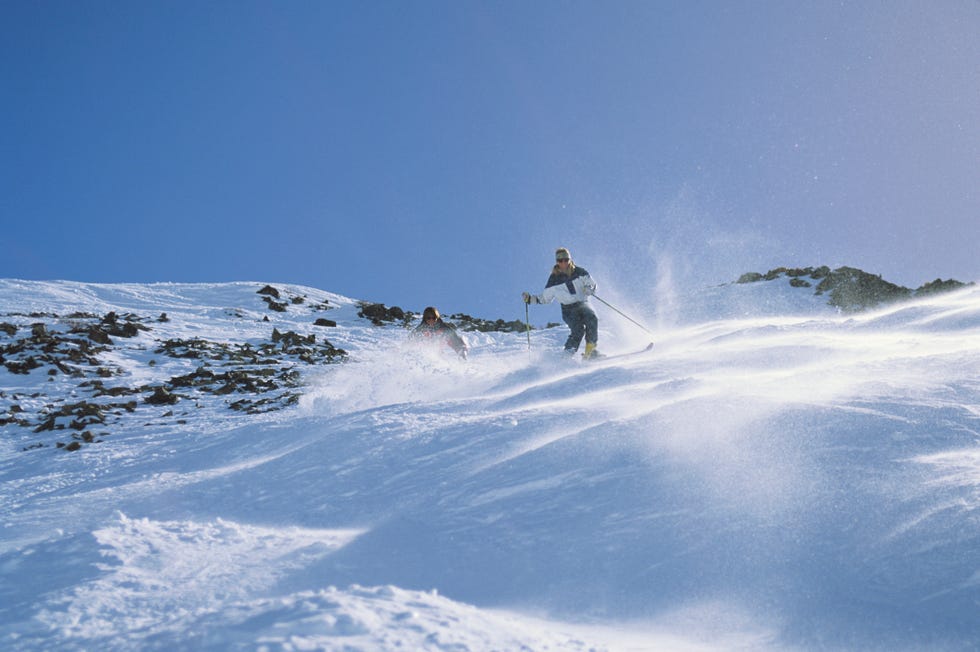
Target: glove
(526, 297)
(588, 290)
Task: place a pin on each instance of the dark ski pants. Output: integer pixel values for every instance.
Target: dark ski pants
(583, 323)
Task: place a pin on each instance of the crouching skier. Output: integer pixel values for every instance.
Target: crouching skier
(434, 329)
(571, 286)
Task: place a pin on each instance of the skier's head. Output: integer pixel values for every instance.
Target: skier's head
(563, 261)
(430, 314)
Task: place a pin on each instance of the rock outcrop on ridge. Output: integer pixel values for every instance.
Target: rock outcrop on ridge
(848, 288)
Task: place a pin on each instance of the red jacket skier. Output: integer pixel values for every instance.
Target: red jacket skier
(434, 329)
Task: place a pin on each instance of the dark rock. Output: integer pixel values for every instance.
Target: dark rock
(291, 338)
(192, 348)
(275, 306)
(98, 389)
(852, 290)
(939, 286)
(379, 314)
(49, 424)
(127, 328)
(325, 322)
(796, 272)
(750, 277)
(23, 367)
(161, 396)
(467, 323)
(270, 291)
(98, 335)
(199, 377)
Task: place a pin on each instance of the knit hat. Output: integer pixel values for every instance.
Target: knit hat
(562, 254)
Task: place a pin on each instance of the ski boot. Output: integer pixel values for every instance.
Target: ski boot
(591, 353)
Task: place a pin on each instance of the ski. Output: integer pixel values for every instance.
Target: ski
(602, 357)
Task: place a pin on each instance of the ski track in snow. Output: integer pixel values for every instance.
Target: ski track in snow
(762, 481)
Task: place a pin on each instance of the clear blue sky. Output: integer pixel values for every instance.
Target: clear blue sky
(437, 152)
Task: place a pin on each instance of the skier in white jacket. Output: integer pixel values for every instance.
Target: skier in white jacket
(571, 286)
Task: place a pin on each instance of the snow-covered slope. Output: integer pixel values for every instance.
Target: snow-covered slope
(762, 479)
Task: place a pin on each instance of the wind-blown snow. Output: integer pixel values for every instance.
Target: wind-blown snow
(763, 479)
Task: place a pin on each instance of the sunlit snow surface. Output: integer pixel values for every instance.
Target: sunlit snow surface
(771, 476)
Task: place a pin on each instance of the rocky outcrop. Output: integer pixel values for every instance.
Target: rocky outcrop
(262, 376)
(379, 314)
(74, 353)
(848, 288)
(853, 290)
(939, 286)
(467, 323)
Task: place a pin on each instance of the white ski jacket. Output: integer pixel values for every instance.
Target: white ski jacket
(567, 288)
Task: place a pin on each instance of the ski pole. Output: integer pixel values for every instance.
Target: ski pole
(623, 313)
(527, 322)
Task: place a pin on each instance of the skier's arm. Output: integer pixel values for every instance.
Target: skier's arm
(454, 340)
(588, 285)
(458, 343)
(547, 296)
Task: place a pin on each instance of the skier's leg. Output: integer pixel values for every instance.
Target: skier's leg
(591, 323)
(575, 323)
